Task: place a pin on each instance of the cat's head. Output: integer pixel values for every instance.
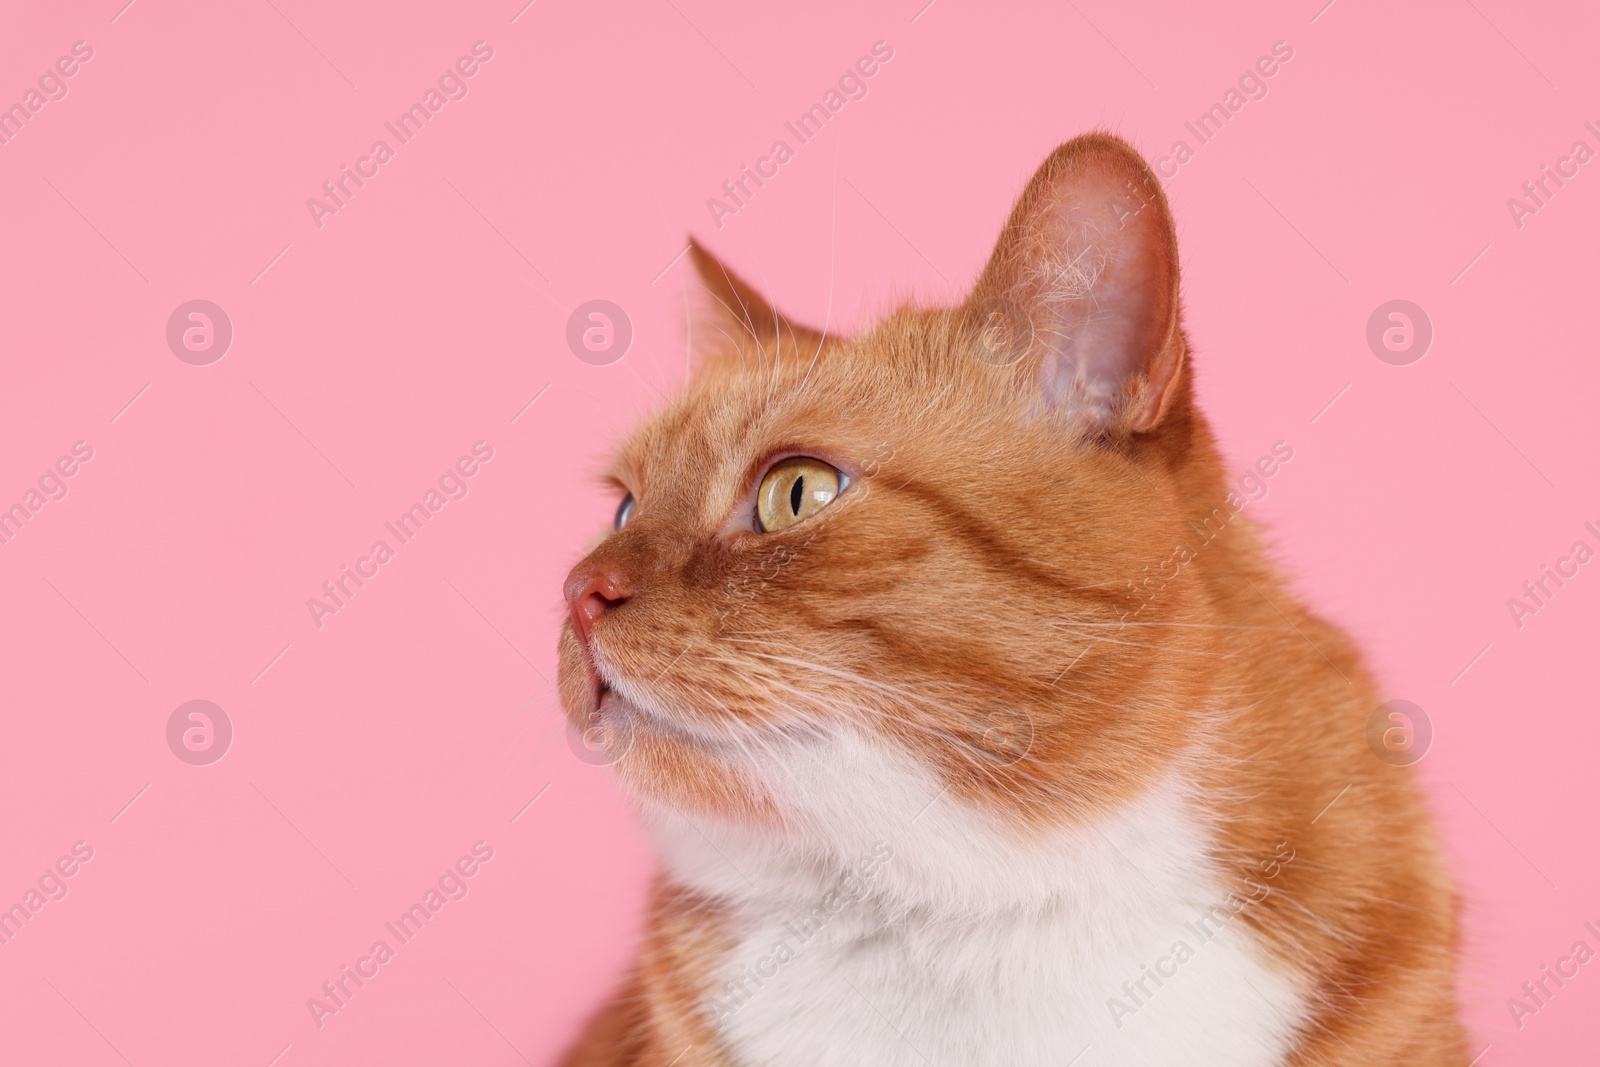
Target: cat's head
(849, 575)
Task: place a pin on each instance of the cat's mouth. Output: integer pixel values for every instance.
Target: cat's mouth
(611, 706)
(599, 687)
(624, 709)
(620, 707)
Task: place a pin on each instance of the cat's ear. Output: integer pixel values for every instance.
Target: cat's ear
(1081, 294)
(735, 308)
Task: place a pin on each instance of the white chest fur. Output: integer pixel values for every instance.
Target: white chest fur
(952, 944)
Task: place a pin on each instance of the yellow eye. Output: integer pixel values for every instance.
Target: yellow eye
(795, 490)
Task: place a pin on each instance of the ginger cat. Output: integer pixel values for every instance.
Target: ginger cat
(937, 772)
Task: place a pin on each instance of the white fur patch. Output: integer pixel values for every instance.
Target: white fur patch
(969, 945)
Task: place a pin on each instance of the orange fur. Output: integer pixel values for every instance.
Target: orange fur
(970, 599)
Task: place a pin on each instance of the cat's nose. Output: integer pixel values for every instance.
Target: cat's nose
(592, 590)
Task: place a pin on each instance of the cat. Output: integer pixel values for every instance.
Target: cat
(934, 773)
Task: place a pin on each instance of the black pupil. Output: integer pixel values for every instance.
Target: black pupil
(797, 494)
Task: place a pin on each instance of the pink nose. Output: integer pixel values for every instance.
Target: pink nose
(592, 590)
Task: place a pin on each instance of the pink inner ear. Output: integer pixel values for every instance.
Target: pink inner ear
(1090, 255)
(1108, 306)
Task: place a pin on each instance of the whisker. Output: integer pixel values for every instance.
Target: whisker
(1195, 625)
(1158, 648)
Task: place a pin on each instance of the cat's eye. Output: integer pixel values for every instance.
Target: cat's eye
(624, 513)
(794, 490)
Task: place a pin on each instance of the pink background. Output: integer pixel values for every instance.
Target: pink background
(369, 354)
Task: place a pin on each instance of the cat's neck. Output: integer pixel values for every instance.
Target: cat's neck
(916, 851)
(971, 939)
